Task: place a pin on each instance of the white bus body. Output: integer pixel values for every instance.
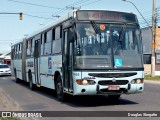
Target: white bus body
(72, 55)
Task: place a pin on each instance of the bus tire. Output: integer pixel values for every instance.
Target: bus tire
(31, 85)
(114, 97)
(59, 89)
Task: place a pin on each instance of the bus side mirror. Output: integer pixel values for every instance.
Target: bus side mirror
(73, 37)
(120, 37)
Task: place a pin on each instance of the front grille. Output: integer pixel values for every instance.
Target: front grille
(111, 75)
(110, 82)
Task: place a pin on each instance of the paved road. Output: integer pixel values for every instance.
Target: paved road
(19, 97)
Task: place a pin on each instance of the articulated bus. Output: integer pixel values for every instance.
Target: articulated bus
(86, 52)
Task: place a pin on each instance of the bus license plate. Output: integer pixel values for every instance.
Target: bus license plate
(113, 88)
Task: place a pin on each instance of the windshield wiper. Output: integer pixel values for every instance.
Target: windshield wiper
(121, 33)
(96, 29)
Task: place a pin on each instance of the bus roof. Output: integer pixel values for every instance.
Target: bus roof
(53, 23)
(71, 14)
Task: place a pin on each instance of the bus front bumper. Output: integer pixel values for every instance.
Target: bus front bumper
(101, 89)
(123, 89)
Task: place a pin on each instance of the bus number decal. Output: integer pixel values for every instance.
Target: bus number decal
(76, 74)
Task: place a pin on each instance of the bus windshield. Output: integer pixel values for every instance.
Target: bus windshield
(113, 46)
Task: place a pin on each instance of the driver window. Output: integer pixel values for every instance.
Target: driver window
(131, 40)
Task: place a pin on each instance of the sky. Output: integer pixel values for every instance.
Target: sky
(38, 13)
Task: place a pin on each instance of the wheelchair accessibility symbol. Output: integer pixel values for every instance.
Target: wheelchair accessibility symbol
(118, 62)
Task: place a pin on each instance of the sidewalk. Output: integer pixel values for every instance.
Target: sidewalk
(152, 81)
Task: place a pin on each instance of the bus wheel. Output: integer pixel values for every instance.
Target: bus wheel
(114, 97)
(31, 85)
(59, 89)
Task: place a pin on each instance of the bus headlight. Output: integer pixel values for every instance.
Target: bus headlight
(137, 81)
(85, 82)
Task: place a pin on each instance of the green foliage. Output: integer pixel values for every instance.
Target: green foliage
(9, 118)
(149, 77)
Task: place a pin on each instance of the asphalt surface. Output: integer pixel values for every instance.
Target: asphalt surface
(18, 97)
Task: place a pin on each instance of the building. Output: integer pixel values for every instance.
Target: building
(5, 58)
(147, 47)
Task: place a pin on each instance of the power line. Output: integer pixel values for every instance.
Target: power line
(78, 2)
(9, 40)
(73, 5)
(149, 18)
(65, 8)
(25, 14)
(34, 4)
(62, 10)
(36, 16)
(69, 6)
(91, 2)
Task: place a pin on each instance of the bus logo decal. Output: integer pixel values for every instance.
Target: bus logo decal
(113, 80)
(49, 63)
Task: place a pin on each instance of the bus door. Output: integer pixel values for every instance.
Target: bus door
(37, 62)
(67, 60)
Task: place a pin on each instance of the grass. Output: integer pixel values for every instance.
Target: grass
(9, 118)
(149, 77)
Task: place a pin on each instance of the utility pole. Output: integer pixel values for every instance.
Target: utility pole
(153, 61)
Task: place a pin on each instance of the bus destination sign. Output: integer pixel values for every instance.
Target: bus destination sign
(109, 16)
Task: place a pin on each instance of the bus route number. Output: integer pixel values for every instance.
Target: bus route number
(76, 74)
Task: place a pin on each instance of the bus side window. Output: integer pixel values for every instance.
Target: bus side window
(15, 48)
(20, 51)
(56, 47)
(47, 43)
(53, 39)
(32, 48)
(42, 44)
(16, 52)
(12, 52)
(29, 47)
